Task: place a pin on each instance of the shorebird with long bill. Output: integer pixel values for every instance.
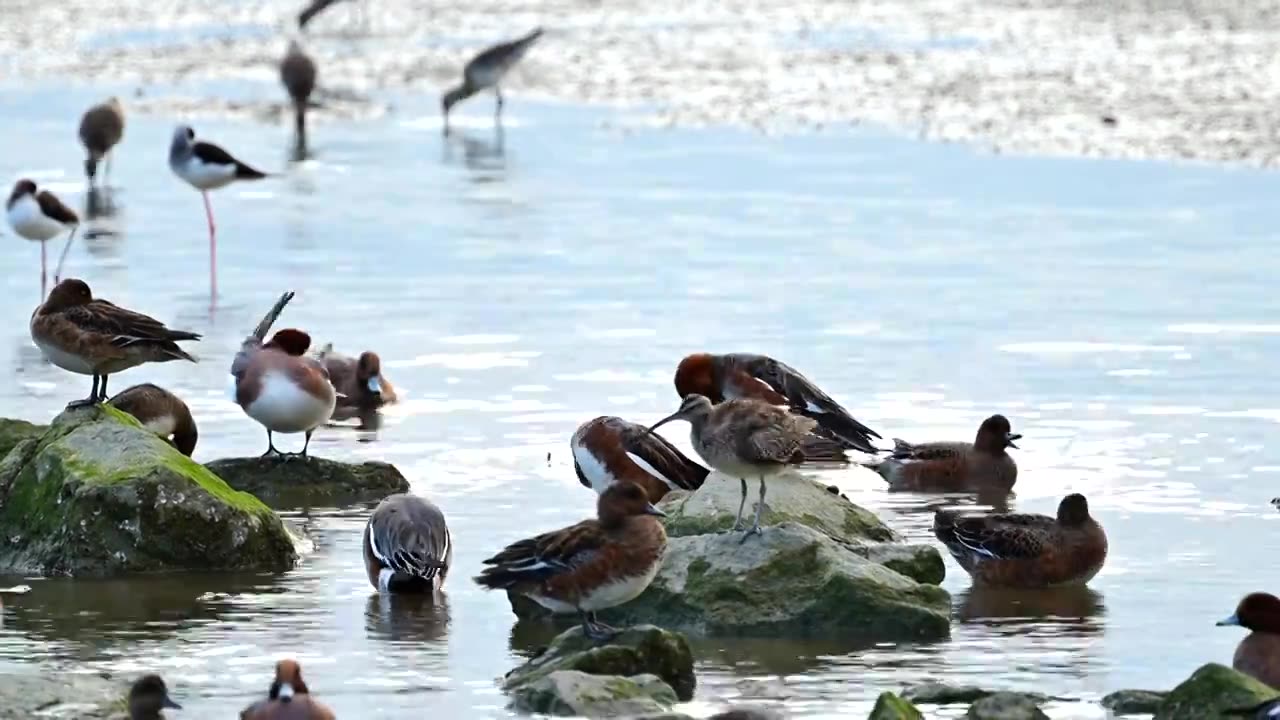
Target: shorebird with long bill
(746, 438)
(40, 216)
(101, 128)
(487, 70)
(298, 74)
(205, 166)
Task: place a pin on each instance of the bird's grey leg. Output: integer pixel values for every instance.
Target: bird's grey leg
(497, 108)
(597, 630)
(755, 528)
(91, 400)
(737, 522)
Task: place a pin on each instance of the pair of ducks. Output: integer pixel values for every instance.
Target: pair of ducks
(276, 383)
(753, 416)
(288, 698)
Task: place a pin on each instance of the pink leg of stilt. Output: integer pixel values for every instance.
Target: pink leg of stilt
(213, 247)
(44, 264)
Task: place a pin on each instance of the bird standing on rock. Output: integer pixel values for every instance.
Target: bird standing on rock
(487, 70)
(746, 438)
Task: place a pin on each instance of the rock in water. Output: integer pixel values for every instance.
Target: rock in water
(579, 694)
(891, 707)
(639, 650)
(1133, 702)
(1006, 706)
(792, 581)
(97, 494)
(297, 482)
(1210, 691)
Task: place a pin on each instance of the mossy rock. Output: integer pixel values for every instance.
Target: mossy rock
(639, 650)
(1211, 692)
(790, 497)
(891, 707)
(792, 581)
(14, 431)
(922, 563)
(1007, 706)
(96, 494)
(288, 482)
(1133, 702)
(579, 694)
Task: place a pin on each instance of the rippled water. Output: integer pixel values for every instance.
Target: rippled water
(1121, 314)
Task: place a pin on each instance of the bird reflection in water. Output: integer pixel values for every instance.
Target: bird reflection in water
(418, 617)
(1070, 610)
(487, 155)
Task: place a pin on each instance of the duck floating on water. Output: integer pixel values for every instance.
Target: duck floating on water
(289, 698)
(361, 386)
(588, 567)
(407, 545)
(149, 698)
(1258, 654)
(1026, 550)
(983, 464)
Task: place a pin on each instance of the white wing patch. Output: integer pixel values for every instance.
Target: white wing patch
(978, 549)
(652, 470)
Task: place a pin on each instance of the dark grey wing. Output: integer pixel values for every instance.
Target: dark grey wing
(998, 537)
(499, 58)
(903, 450)
(211, 154)
(661, 456)
(409, 535)
(52, 207)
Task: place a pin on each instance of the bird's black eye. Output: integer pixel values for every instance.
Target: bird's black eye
(191, 134)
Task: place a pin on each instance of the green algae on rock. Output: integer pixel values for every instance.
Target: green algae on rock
(1211, 692)
(285, 482)
(14, 431)
(793, 580)
(639, 650)
(579, 694)
(96, 494)
(891, 707)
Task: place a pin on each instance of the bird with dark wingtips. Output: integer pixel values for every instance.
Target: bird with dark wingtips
(101, 129)
(288, 698)
(588, 567)
(609, 450)
(298, 73)
(318, 6)
(86, 335)
(1258, 654)
(1026, 550)
(983, 464)
(161, 412)
(149, 697)
(487, 70)
(745, 438)
(39, 215)
(744, 375)
(205, 166)
(407, 546)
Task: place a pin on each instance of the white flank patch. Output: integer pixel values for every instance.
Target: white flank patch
(65, 360)
(592, 469)
(164, 426)
(27, 220)
(281, 406)
(652, 470)
(617, 593)
(205, 176)
(384, 579)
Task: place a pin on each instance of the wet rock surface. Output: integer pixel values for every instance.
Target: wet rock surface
(1211, 693)
(1006, 706)
(96, 494)
(579, 694)
(1133, 702)
(296, 482)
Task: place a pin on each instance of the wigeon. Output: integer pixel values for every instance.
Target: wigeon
(983, 464)
(1024, 550)
(39, 215)
(407, 546)
(298, 74)
(608, 450)
(161, 412)
(281, 388)
(288, 699)
(361, 386)
(485, 71)
(745, 438)
(1258, 654)
(743, 375)
(594, 565)
(101, 128)
(149, 697)
(85, 335)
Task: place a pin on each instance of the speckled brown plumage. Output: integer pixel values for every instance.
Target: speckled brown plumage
(983, 464)
(1026, 550)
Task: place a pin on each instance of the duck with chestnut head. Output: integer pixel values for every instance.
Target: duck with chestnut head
(288, 698)
(361, 386)
(983, 465)
(149, 698)
(1258, 654)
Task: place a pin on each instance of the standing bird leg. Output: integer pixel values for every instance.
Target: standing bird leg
(594, 629)
(213, 245)
(497, 109)
(91, 400)
(737, 522)
(271, 446)
(44, 264)
(102, 392)
(755, 529)
(57, 271)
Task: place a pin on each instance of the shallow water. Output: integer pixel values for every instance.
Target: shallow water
(1120, 313)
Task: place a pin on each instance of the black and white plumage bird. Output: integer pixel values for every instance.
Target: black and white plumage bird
(40, 216)
(407, 546)
(487, 70)
(205, 166)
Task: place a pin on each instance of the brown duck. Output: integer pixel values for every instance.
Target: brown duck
(983, 464)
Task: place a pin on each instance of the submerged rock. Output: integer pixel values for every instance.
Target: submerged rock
(579, 694)
(891, 707)
(639, 650)
(790, 497)
(293, 482)
(1007, 706)
(1210, 692)
(97, 494)
(1133, 702)
(936, 693)
(746, 713)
